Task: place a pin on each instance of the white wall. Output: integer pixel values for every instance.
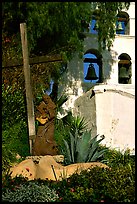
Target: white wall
(115, 116)
(114, 108)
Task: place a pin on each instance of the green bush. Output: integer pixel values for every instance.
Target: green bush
(30, 192)
(115, 185)
(13, 106)
(14, 125)
(97, 184)
(14, 141)
(11, 183)
(16, 138)
(113, 157)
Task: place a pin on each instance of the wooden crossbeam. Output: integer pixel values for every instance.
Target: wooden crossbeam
(34, 60)
(124, 62)
(122, 19)
(91, 60)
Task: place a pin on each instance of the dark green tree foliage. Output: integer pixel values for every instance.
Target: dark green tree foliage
(57, 26)
(53, 28)
(50, 26)
(107, 12)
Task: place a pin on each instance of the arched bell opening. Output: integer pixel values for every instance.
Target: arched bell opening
(124, 69)
(122, 24)
(94, 26)
(93, 66)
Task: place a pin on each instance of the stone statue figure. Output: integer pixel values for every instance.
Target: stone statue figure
(44, 143)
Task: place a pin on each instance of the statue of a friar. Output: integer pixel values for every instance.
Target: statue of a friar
(44, 143)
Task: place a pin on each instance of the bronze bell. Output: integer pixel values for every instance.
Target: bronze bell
(96, 26)
(119, 26)
(123, 73)
(91, 74)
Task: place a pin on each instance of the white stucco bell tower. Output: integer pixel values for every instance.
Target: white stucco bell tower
(111, 111)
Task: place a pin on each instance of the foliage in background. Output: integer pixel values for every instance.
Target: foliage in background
(52, 24)
(14, 125)
(75, 123)
(107, 13)
(98, 184)
(60, 102)
(51, 29)
(13, 106)
(60, 133)
(60, 130)
(115, 158)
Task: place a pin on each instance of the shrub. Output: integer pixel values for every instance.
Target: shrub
(113, 157)
(11, 183)
(30, 192)
(60, 133)
(115, 185)
(14, 125)
(14, 140)
(13, 106)
(109, 185)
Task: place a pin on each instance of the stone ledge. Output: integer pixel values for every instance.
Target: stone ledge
(36, 159)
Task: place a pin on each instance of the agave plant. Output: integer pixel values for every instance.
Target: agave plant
(83, 148)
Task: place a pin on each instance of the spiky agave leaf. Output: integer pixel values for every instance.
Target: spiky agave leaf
(72, 149)
(68, 154)
(83, 146)
(98, 154)
(76, 139)
(90, 149)
(94, 144)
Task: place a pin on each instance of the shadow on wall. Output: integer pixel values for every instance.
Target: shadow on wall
(85, 106)
(77, 68)
(108, 59)
(73, 83)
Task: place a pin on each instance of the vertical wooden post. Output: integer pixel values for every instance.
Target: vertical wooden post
(29, 96)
